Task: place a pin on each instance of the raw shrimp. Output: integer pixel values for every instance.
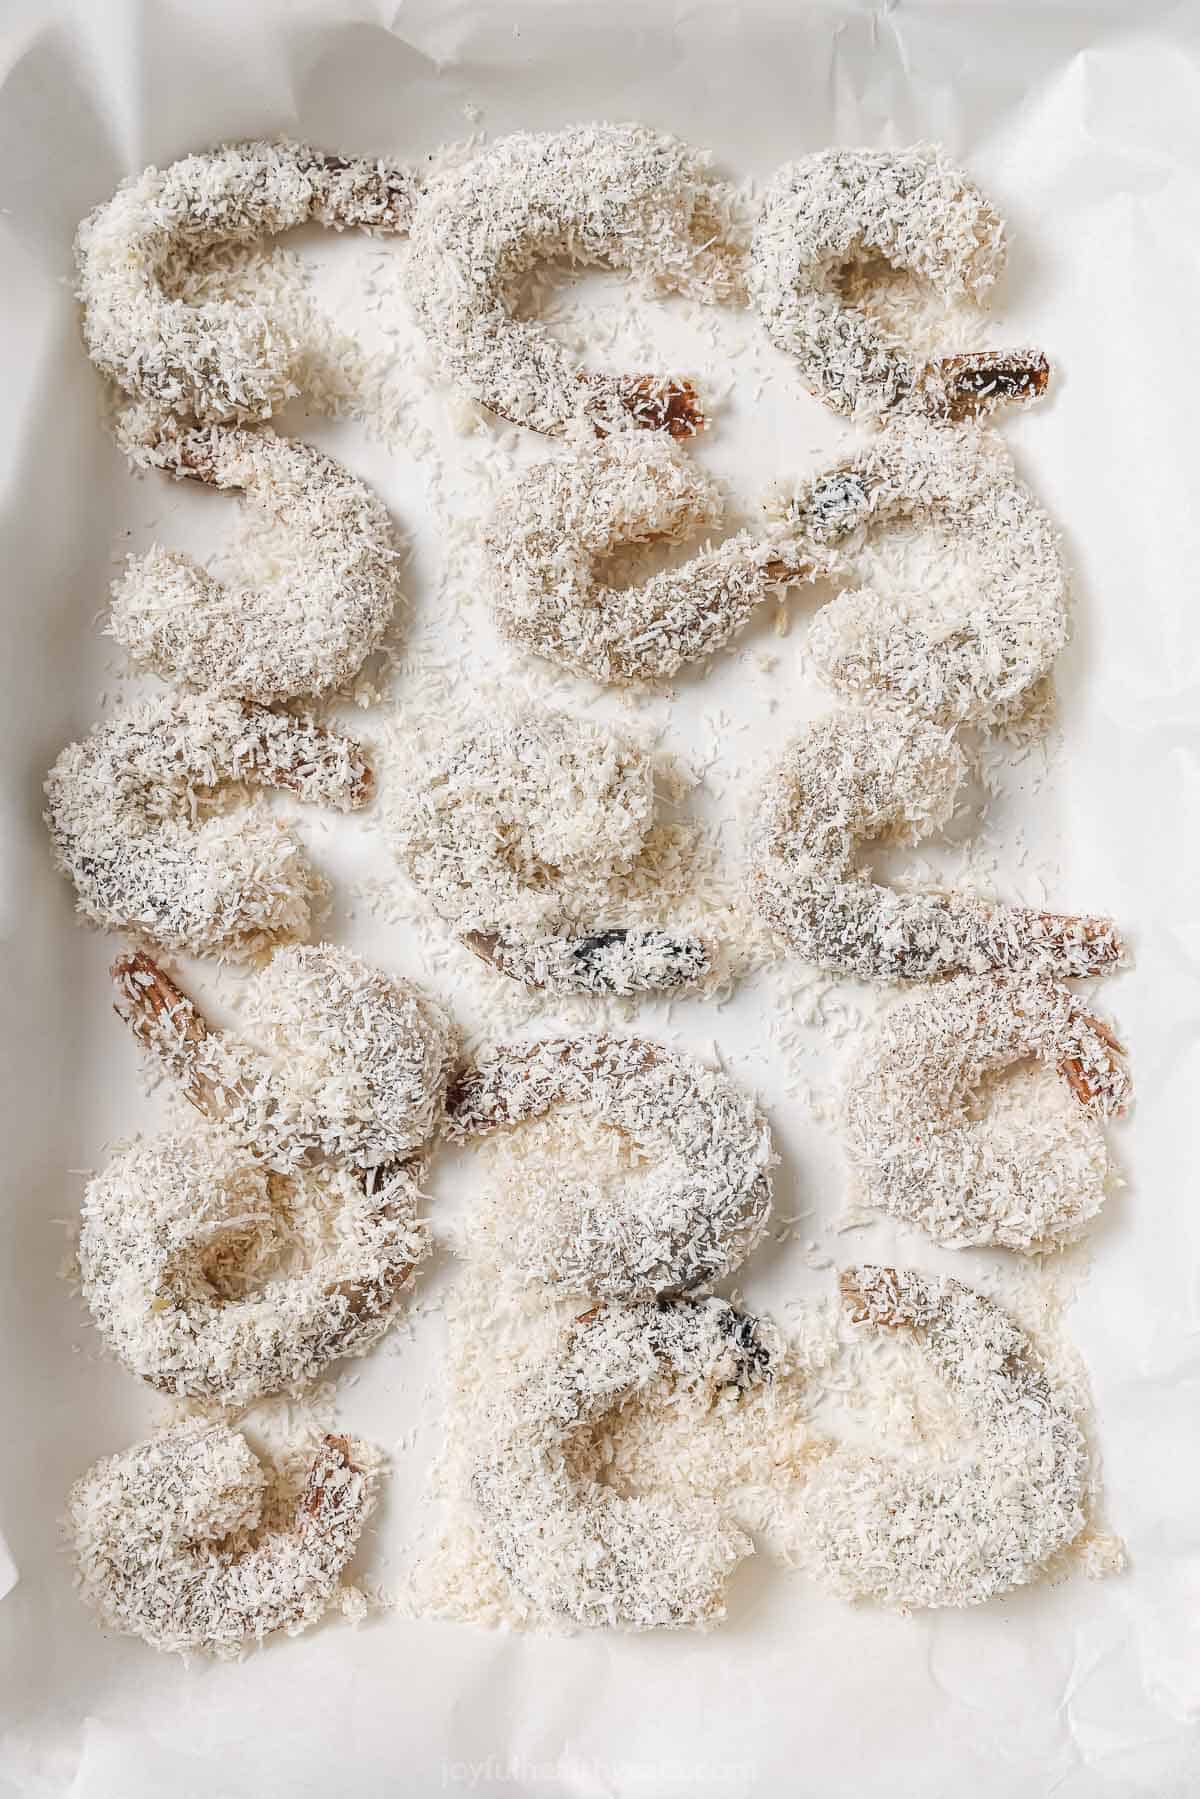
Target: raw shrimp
(920, 1151)
(308, 631)
(188, 1542)
(857, 777)
(574, 1547)
(619, 195)
(557, 521)
(353, 1071)
(123, 821)
(224, 360)
(975, 655)
(917, 211)
(700, 1208)
(500, 823)
(954, 1531)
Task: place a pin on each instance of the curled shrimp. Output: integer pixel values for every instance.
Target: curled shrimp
(123, 818)
(353, 1071)
(181, 1236)
(505, 817)
(920, 1152)
(917, 211)
(975, 655)
(188, 1542)
(222, 360)
(556, 522)
(306, 633)
(620, 195)
(855, 777)
(701, 1208)
(574, 1547)
(173, 1230)
(958, 1531)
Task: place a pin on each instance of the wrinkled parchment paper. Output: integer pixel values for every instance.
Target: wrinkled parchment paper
(1084, 123)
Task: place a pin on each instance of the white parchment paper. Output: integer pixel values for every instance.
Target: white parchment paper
(1084, 123)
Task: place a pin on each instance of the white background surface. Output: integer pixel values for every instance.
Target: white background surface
(1084, 124)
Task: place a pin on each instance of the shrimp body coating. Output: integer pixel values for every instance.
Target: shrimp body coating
(505, 816)
(697, 1216)
(310, 630)
(310, 1151)
(578, 1549)
(129, 828)
(556, 521)
(186, 1542)
(854, 777)
(971, 657)
(163, 1242)
(618, 195)
(958, 1531)
(918, 212)
(350, 1066)
(219, 361)
(922, 1152)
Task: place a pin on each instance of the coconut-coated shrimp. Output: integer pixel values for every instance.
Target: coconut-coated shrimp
(176, 1232)
(188, 1542)
(310, 1150)
(224, 360)
(917, 211)
(700, 1208)
(960, 1530)
(856, 777)
(619, 195)
(353, 1069)
(308, 631)
(921, 1152)
(122, 814)
(500, 823)
(976, 655)
(574, 1547)
(556, 522)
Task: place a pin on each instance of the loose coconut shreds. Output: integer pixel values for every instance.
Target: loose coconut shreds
(576, 1548)
(188, 1542)
(218, 362)
(916, 211)
(134, 825)
(499, 817)
(696, 1216)
(311, 629)
(1027, 1179)
(956, 1531)
(557, 521)
(179, 1238)
(347, 1064)
(853, 778)
(620, 195)
(974, 654)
